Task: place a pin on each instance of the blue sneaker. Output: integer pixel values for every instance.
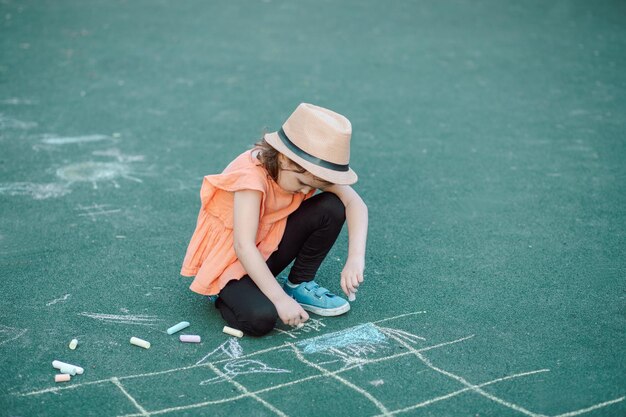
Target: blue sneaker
(317, 299)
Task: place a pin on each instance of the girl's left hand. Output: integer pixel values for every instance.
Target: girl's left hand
(352, 275)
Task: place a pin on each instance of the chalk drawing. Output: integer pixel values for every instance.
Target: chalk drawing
(230, 349)
(58, 140)
(311, 325)
(8, 334)
(34, 190)
(365, 333)
(119, 156)
(95, 172)
(243, 367)
(7, 122)
(14, 101)
(96, 210)
(57, 300)
(140, 319)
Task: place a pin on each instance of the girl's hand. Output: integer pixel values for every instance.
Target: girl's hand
(290, 312)
(352, 275)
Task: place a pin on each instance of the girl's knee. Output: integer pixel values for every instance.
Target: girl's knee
(332, 206)
(260, 321)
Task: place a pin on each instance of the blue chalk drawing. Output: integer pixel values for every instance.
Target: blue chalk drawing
(365, 333)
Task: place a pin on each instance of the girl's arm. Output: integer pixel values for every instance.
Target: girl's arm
(357, 218)
(247, 210)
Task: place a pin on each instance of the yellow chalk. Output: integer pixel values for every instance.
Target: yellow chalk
(139, 342)
(232, 332)
(73, 344)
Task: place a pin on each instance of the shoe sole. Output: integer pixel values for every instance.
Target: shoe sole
(328, 312)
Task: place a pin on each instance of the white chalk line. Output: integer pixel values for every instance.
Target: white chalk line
(245, 391)
(463, 381)
(132, 399)
(347, 383)
(401, 315)
(287, 384)
(593, 407)
(56, 300)
(20, 334)
(478, 390)
(458, 392)
(122, 319)
(184, 368)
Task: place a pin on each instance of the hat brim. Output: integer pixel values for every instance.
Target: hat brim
(336, 177)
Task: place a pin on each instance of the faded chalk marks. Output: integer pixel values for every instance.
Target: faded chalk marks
(34, 190)
(95, 172)
(14, 101)
(7, 122)
(140, 319)
(96, 210)
(59, 300)
(58, 140)
(365, 333)
(8, 334)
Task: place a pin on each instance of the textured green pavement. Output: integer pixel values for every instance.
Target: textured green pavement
(489, 137)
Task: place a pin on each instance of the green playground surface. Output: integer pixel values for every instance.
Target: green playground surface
(489, 139)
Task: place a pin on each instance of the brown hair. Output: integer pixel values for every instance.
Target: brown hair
(270, 161)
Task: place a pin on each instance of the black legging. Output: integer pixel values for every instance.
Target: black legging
(310, 233)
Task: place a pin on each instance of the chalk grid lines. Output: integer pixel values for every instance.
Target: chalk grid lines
(401, 337)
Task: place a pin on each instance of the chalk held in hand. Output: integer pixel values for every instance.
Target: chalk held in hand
(299, 325)
(178, 327)
(351, 296)
(59, 364)
(139, 342)
(62, 377)
(73, 344)
(190, 338)
(232, 332)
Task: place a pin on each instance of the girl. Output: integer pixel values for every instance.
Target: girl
(261, 214)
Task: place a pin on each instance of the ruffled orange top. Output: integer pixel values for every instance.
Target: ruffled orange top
(210, 256)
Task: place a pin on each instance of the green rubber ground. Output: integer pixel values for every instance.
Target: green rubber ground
(489, 137)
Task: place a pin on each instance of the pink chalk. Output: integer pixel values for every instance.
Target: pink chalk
(62, 377)
(190, 338)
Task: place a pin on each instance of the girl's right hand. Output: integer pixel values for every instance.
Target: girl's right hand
(290, 312)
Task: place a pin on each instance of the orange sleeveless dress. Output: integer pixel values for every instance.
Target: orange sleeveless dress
(210, 255)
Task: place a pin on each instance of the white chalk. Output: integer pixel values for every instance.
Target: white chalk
(178, 327)
(300, 325)
(68, 370)
(59, 364)
(139, 342)
(352, 296)
(232, 332)
(62, 377)
(73, 344)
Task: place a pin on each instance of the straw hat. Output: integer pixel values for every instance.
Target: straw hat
(318, 140)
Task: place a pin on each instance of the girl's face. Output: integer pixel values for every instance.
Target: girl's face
(293, 181)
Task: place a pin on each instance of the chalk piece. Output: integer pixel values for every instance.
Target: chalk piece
(178, 327)
(300, 325)
(62, 377)
(352, 297)
(67, 369)
(59, 364)
(73, 344)
(139, 342)
(232, 332)
(190, 338)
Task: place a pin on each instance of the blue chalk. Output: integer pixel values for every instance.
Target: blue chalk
(180, 326)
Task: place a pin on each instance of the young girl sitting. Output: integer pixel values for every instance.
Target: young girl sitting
(262, 213)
